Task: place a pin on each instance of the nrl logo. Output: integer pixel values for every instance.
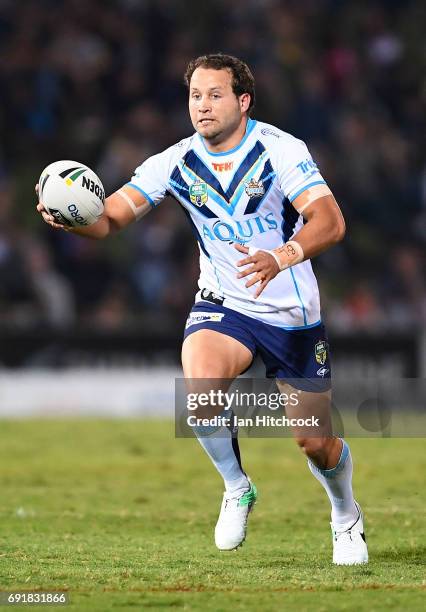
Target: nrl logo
(321, 352)
(254, 189)
(198, 193)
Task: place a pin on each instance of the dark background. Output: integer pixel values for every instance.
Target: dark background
(101, 82)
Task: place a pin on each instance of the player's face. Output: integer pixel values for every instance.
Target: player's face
(216, 112)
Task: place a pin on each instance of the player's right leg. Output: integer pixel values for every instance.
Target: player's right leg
(211, 360)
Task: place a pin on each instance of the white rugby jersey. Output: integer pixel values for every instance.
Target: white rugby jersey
(243, 195)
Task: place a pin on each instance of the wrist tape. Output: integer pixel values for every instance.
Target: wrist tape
(287, 255)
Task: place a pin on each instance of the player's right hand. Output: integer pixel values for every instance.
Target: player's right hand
(47, 217)
(264, 267)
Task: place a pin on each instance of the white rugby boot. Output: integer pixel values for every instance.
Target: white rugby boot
(349, 545)
(231, 526)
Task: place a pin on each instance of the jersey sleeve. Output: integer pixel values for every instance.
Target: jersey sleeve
(151, 178)
(297, 170)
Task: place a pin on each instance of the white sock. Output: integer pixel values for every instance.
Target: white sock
(223, 450)
(337, 482)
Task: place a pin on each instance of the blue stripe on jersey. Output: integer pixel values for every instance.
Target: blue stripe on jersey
(201, 243)
(302, 305)
(196, 232)
(194, 163)
(294, 196)
(195, 168)
(250, 159)
(223, 203)
(290, 217)
(247, 177)
(178, 184)
(267, 178)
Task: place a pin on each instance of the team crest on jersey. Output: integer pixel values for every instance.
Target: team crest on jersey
(254, 189)
(198, 193)
(321, 352)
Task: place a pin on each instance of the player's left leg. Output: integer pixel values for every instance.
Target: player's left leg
(330, 461)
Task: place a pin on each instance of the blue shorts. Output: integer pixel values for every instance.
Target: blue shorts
(299, 356)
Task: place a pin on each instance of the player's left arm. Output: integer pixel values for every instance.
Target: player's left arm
(324, 227)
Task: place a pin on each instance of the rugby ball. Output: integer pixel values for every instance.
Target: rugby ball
(72, 193)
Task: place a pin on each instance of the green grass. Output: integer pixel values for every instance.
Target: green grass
(121, 515)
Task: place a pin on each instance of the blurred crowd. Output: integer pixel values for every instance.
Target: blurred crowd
(101, 82)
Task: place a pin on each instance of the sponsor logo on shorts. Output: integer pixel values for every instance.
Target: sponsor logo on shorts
(195, 318)
(321, 352)
(322, 372)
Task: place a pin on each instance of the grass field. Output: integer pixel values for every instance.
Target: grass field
(121, 515)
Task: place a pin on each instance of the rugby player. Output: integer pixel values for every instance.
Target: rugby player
(260, 210)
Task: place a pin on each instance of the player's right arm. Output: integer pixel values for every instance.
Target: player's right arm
(146, 189)
(122, 208)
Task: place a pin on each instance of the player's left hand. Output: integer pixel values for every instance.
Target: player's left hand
(262, 265)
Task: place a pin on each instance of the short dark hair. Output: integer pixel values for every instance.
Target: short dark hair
(242, 78)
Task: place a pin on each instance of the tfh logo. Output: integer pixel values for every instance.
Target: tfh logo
(225, 167)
